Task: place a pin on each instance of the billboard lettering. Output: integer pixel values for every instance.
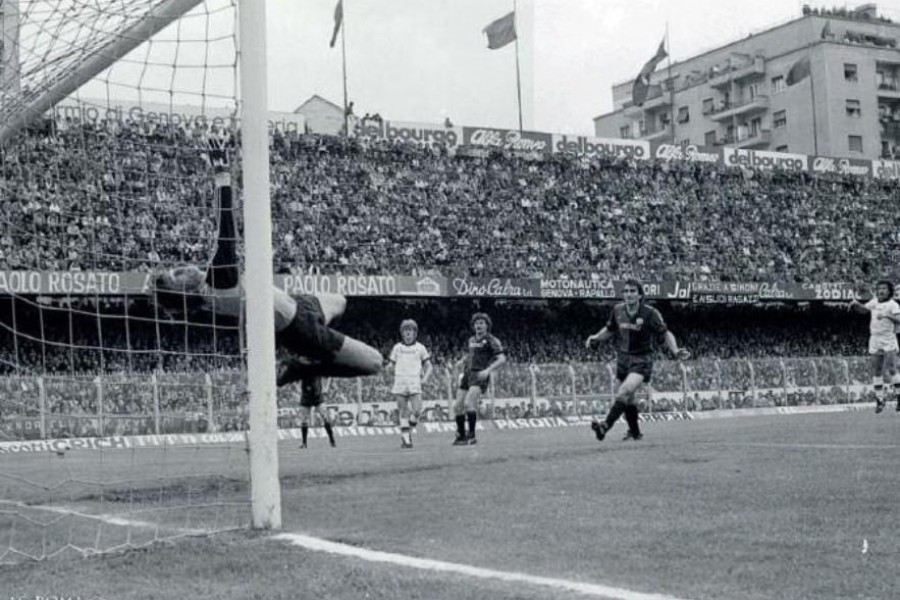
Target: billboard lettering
(602, 147)
(765, 161)
(508, 139)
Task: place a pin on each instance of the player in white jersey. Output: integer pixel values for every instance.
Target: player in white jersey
(883, 347)
(301, 324)
(411, 363)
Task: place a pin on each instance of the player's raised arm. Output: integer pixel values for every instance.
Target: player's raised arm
(672, 345)
(428, 369)
(223, 272)
(857, 306)
(608, 331)
(598, 338)
(658, 326)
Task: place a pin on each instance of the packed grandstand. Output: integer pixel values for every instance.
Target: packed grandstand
(129, 198)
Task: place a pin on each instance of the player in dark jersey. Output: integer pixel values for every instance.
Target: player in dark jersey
(301, 324)
(484, 356)
(311, 399)
(635, 327)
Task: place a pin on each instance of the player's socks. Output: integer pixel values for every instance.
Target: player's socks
(304, 431)
(461, 428)
(472, 417)
(405, 436)
(631, 417)
(879, 397)
(599, 428)
(330, 431)
(896, 391)
(614, 413)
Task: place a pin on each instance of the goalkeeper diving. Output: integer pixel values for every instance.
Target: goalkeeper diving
(301, 323)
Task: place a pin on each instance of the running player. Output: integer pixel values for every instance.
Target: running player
(635, 327)
(885, 316)
(411, 364)
(311, 399)
(301, 324)
(485, 355)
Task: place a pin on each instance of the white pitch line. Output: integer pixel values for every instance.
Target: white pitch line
(811, 446)
(589, 589)
(108, 519)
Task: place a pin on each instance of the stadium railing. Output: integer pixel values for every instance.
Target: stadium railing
(169, 403)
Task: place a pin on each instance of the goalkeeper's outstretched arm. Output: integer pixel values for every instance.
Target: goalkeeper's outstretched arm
(223, 272)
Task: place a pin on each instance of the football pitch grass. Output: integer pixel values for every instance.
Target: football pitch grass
(765, 507)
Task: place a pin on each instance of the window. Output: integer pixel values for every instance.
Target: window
(625, 132)
(641, 129)
(781, 149)
(777, 84)
(850, 73)
(752, 91)
(755, 126)
(707, 106)
(684, 114)
(855, 143)
(853, 109)
(709, 139)
(779, 119)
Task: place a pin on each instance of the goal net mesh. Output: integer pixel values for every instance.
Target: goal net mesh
(119, 426)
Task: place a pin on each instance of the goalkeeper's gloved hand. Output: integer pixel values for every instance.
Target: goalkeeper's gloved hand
(683, 354)
(217, 152)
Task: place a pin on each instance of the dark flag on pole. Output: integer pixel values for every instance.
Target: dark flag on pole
(642, 83)
(798, 72)
(502, 31)
(338, 19)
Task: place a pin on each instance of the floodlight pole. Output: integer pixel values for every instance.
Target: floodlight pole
(262, 439)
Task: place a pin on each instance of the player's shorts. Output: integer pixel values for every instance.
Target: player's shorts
(311, 392)
(308, 335)
(642, 364)
(882, 345)
(413, 401)
(468, 380)
(406, 388)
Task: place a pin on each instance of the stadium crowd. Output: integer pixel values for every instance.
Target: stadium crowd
(125, 196)
(38, 339)
(129, 196)
(169, 377)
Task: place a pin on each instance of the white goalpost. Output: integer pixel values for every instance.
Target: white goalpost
(262, 437)
(123, 425)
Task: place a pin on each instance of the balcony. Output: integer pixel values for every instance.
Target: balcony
(729, 111)
(890, 128)
(739, 73)
(657, 133)
(889, 89)
(759, 139)
(661, 100)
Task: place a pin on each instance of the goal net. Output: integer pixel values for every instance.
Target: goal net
(119, 425)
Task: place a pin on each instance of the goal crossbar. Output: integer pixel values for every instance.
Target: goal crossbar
(157, 19)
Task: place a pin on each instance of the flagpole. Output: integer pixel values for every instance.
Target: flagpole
(518, 77)
(671, 83)
(812, 90)
(344, 68)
